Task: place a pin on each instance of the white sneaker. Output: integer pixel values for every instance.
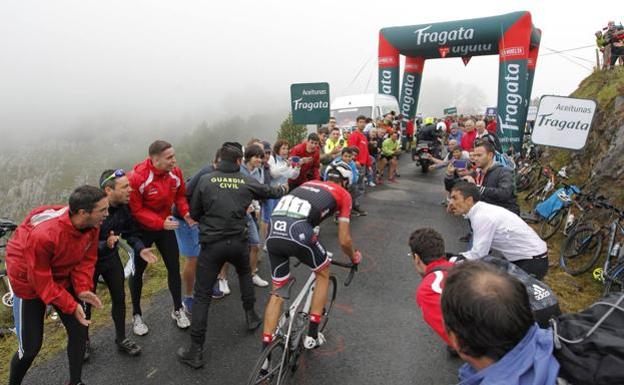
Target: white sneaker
(259, 281)
(223, 286)
(180, 317)
(371, 184)
(311, 343)
(139, 327)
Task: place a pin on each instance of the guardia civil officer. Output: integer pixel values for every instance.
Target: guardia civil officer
(219, 203)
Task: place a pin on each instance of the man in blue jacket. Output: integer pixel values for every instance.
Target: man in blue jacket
(489, 323)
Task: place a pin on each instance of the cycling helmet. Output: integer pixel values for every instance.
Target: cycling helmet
(340, 170)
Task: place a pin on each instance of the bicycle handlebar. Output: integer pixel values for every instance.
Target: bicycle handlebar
(347, 265)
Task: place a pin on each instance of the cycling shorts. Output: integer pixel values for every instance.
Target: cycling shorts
(293, 237)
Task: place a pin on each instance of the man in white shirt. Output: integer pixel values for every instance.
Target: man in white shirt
(497, 228)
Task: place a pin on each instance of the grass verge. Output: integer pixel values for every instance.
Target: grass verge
(55, 338)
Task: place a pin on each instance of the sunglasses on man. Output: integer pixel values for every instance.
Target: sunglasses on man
(116, 174)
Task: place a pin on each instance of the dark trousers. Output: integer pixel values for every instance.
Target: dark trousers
(113, 273)
(233, 250)
(29, 315)
(535, 267)
(167, 245)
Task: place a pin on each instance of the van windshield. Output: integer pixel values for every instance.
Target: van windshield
(345, 117)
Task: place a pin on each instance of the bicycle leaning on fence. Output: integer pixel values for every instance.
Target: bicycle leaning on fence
(279, 360)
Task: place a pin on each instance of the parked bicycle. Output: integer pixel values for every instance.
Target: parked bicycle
(581, 251)
(552, 180)
(282, 355)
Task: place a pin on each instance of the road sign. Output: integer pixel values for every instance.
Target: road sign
(563, 122)
(309, 103)
(450, 111)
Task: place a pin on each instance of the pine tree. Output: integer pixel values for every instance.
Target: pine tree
(293, 133)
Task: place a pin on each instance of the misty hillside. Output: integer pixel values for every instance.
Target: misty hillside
(604, 152)
(47, 170)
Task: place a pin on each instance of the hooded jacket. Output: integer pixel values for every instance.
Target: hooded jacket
(531, 362)
(221, 199)
(48, 255)
(153, 194)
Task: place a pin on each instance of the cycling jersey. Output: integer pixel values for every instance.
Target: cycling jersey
(292, 225)
(315, 201)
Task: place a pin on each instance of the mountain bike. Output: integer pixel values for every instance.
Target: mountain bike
(284, 351)
(582, 248)
(540, 193)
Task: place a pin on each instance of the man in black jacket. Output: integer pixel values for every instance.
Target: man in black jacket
(495, 182)
(219, 204)
(119, 223)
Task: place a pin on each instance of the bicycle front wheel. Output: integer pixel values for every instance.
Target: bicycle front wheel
(271, 366)
(329, 304)
(549, 227)
(580, 250)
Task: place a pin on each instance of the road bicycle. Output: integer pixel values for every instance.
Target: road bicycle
(284, 351)
(582, 249)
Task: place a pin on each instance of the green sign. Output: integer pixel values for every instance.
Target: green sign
(309, 103)
(450, 111)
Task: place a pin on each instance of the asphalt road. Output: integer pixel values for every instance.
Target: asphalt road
(376, 334)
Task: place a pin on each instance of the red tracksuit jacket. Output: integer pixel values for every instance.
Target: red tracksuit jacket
(47, 255)
(357, 139)
(428, 296)
(153, 194)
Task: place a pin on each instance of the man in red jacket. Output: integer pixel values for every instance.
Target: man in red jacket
(467, 140)
(427, 246)
(309, 159)
(362, 161)
(50, 261)
(156, 185)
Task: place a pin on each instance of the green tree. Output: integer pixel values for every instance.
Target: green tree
(293, 133)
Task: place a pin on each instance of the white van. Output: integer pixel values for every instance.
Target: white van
(347, 108)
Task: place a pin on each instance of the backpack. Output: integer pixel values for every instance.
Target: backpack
(589, 345)
(551, 206)
(542, 299)
(504, 160)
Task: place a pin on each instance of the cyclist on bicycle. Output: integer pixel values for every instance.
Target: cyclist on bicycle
(292, 234)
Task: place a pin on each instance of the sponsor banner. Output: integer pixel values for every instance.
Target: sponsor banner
(410, 88)
(466, 59)
(450, 111)
(309, 103)
(563, 122)
(490, 111)
(512, 102)
(389, 81)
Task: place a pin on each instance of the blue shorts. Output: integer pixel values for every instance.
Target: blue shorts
(188, 239)
(252, 232)
(267, 209)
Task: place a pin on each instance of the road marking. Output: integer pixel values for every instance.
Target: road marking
(152, 372)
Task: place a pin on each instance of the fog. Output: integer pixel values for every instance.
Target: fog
(166, 66)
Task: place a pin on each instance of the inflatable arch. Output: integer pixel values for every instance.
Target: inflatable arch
(512, 36)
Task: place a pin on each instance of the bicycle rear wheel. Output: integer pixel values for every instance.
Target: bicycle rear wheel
(332, 290)
(580, 250)
(264, 374)
(549, 227)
